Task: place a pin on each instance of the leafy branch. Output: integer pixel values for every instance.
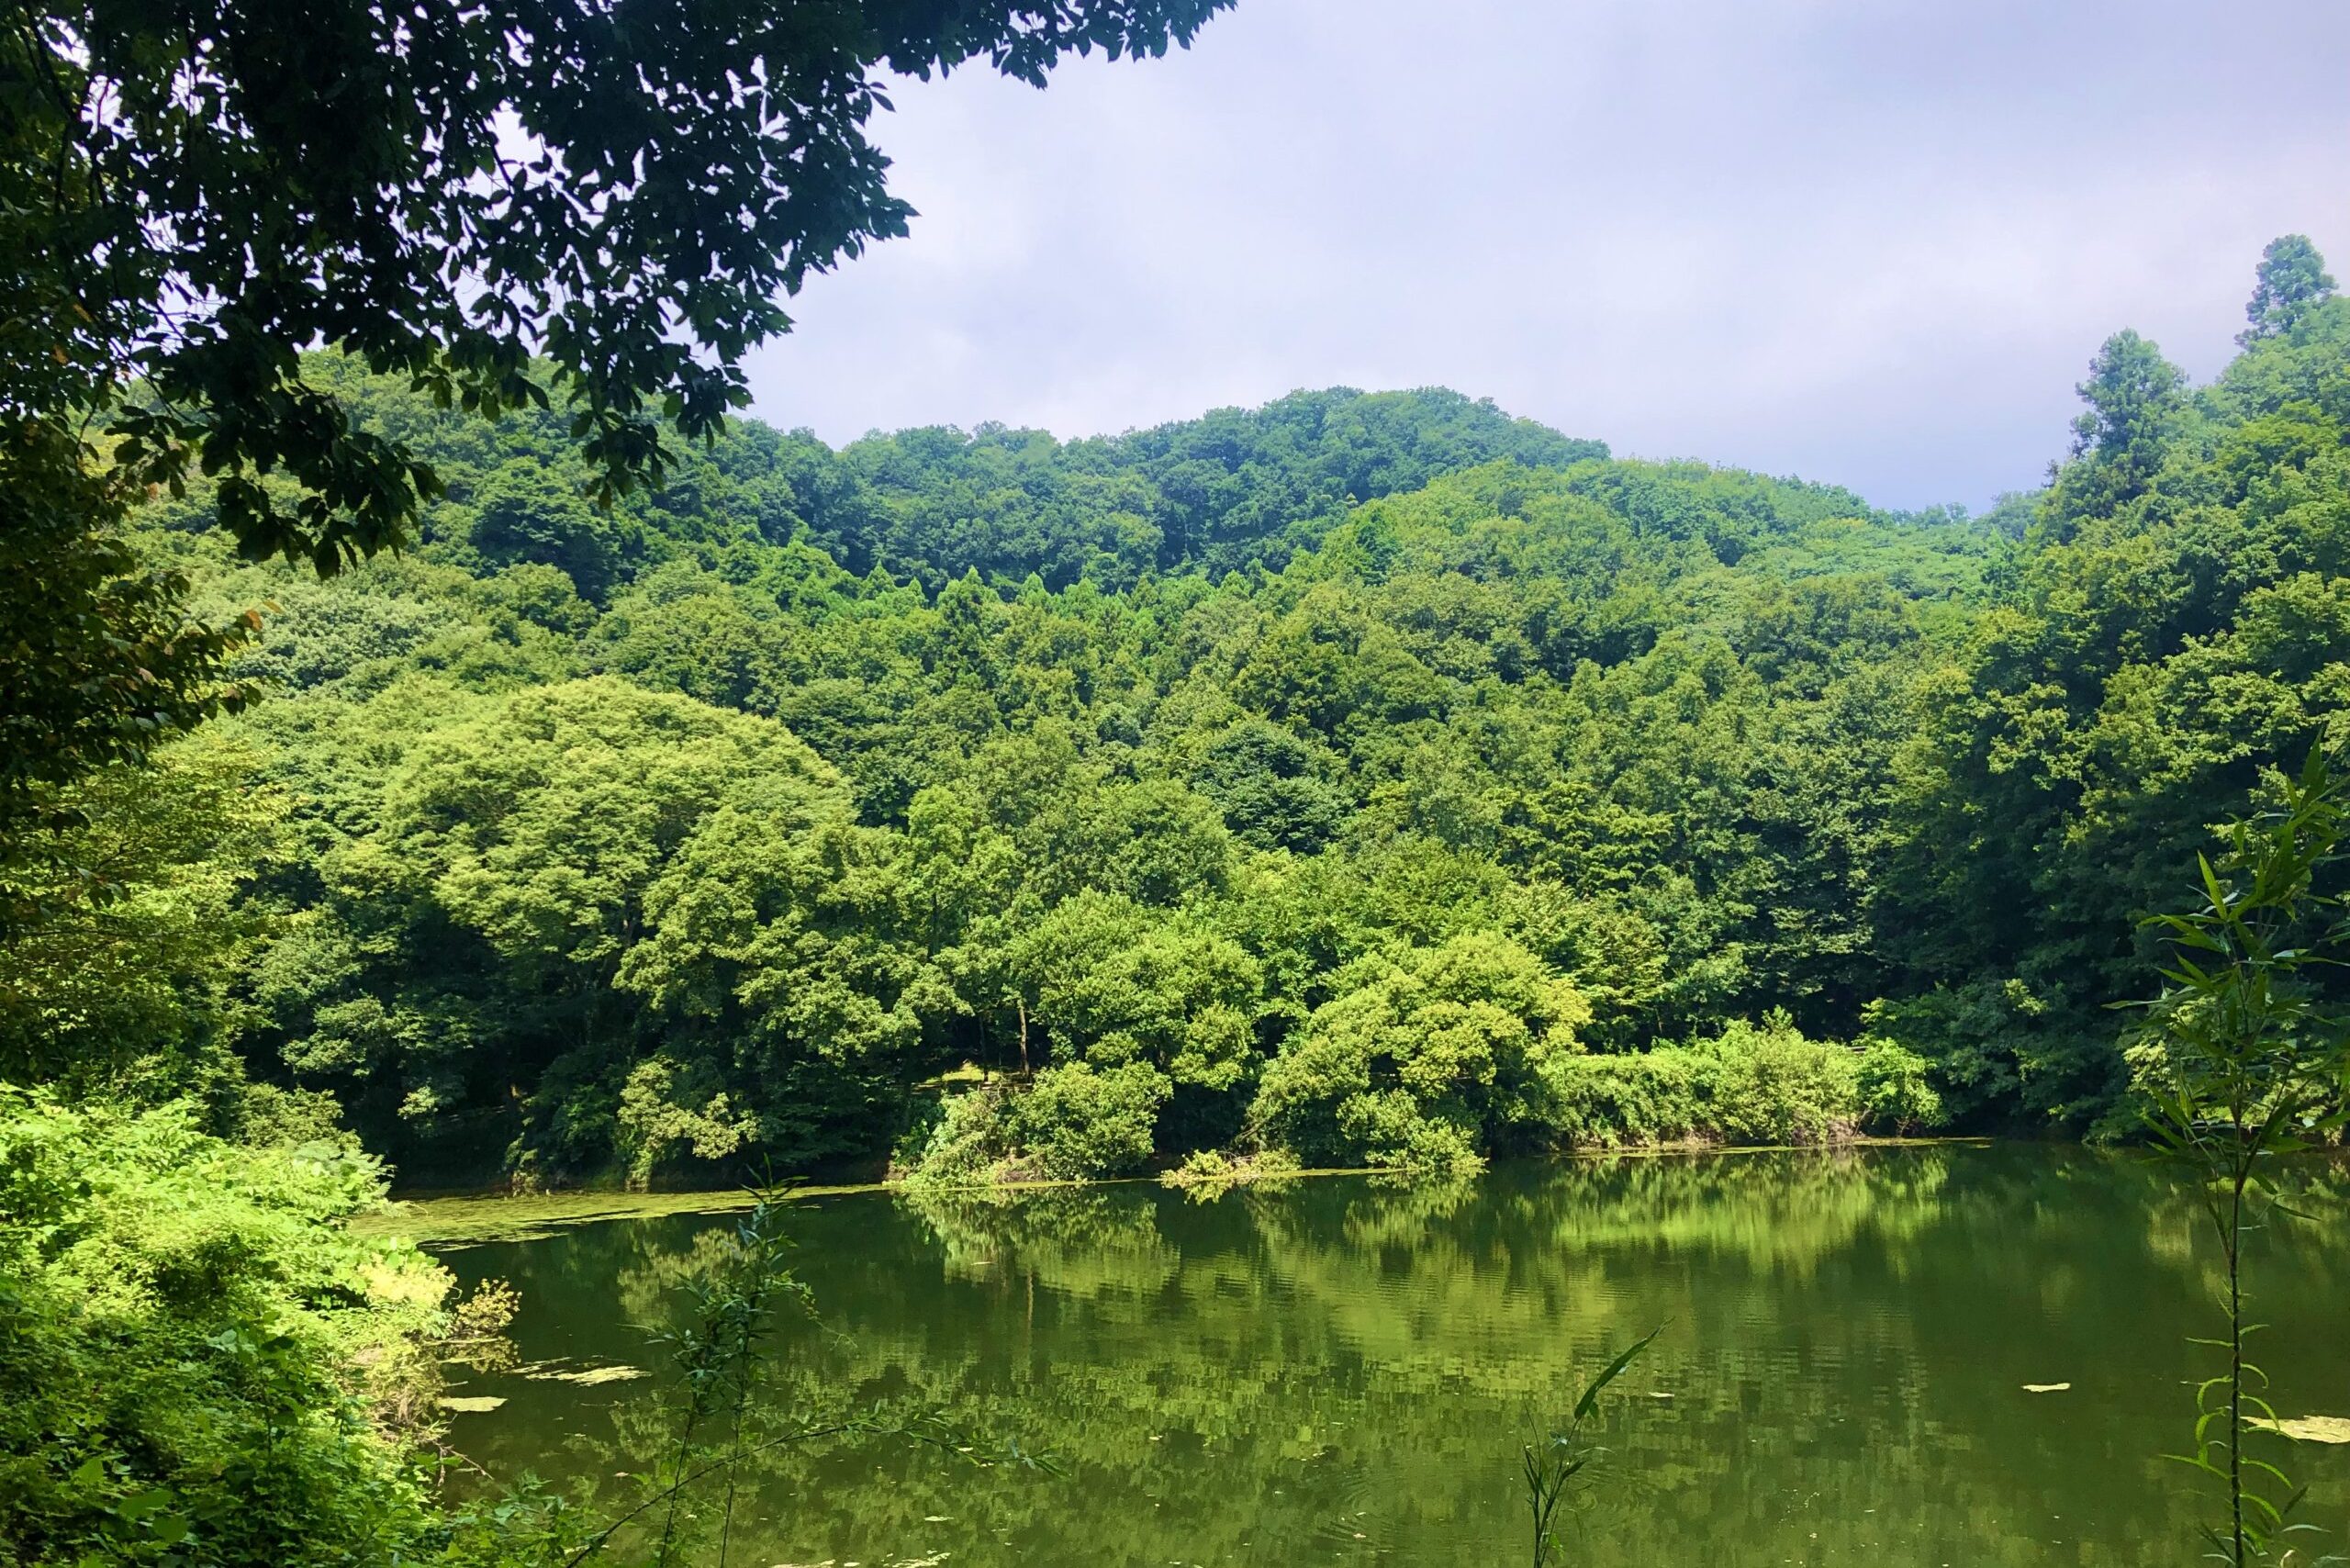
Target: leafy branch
(1557, 1472)
(2241, 1060)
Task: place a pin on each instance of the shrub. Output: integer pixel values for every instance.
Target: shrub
(1205, 1173)
(1115, 982)
(665, 1108)
(1976, 1040)
(1432, 1061)
(1074, 1123)
(198, 1363)
(1772, 1085)
(1647, 1098)
(1750, 1084)
(968, 1142)
(1897, 1095)
(1078, 1122)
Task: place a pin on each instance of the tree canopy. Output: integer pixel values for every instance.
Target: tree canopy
(491, 201)
(515, 206)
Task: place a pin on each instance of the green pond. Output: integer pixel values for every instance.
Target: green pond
(1342, 1370)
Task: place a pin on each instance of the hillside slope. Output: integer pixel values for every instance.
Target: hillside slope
(1371, 776)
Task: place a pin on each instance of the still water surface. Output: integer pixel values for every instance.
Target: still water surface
(1341, 1370)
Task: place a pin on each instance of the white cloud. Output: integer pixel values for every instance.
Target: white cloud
(1871, 242)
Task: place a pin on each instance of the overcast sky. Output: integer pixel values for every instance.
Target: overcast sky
(1870, 241)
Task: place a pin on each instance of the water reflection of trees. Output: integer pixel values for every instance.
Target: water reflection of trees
(1083, 1240)
(1270, 1375)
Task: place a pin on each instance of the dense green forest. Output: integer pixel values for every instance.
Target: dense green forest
(1366, 778)
(442, 741)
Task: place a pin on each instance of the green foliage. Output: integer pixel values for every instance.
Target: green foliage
(1428, 1059)
(1366, 780)
(2131, 392)
(184, 192)
(1559, 1472)
(1767, 1084)
(2240, 1061)
(1118, 985)
(521, 517)
(2160, 650)
(1750, 1084)
(1897, 1090)
(100, 663)
(1261, 774)
(2292, 279)
(550, 923)
(1073, 1123)
(663, 1107)
(966, 1143)
(1079, 1121)
(1978, 1040)
(133, 991)
(190, 200)
(704, 829)
(198, 1364)
(1237, 487)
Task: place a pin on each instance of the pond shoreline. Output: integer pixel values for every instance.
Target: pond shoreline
(453, 1219)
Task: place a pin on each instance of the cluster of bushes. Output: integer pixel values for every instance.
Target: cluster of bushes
(1069, 1124)
(1436, 1061)
(200, 1363)
(1750, 1084)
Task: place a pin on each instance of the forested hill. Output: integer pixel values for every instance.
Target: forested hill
(1233, 488)
(1361, 777)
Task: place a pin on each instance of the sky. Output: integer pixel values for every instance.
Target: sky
(1872, 242)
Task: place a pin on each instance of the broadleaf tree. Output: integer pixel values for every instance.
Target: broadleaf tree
(508, 205)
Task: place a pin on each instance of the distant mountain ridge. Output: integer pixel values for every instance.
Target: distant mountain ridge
(1232, 488)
